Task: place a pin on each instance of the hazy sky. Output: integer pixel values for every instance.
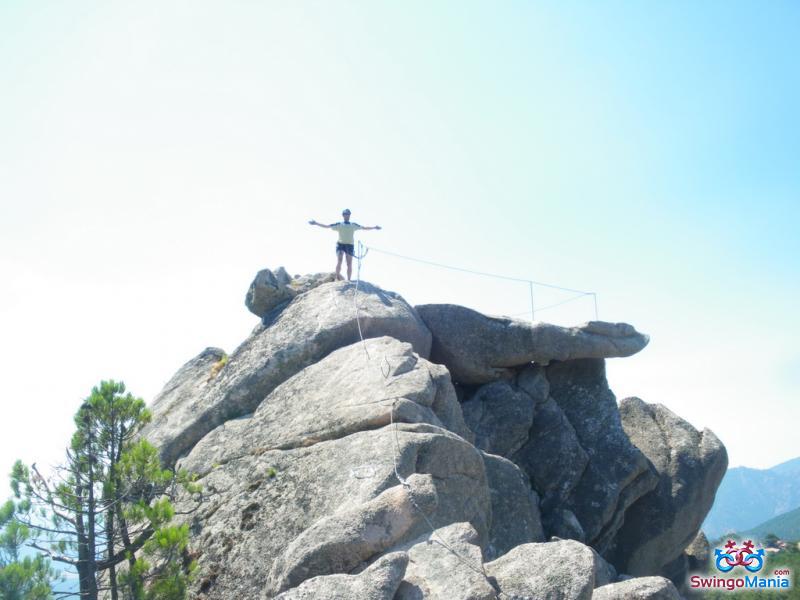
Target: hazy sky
(155, 155)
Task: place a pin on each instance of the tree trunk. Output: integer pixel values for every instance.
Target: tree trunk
(91, 518)
(85, 575)
(115, 487)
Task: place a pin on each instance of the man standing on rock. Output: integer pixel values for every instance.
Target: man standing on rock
(346, 244)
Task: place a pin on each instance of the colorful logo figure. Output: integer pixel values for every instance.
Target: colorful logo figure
(739, 557)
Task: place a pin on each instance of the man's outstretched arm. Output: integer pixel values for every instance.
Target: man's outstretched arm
(313, 222)
(367, 228)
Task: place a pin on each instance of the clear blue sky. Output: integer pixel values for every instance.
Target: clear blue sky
(155, 155)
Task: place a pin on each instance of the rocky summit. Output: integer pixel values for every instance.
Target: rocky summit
(355, 446)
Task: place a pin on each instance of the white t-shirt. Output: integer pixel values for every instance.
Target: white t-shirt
(346, 231)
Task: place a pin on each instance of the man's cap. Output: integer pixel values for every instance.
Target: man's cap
(346, 211)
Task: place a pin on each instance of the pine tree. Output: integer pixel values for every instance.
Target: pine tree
(108, 500)
(21, 577)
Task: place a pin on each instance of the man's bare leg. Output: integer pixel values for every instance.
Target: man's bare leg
(339, 265)
(349, 267)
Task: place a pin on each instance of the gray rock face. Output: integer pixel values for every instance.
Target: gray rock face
(563, 524)
(342, 541)
(330, 507)
(677, 571)
(182, 389)
(313, 325)
(617, 473)
(515, 507)
(604, 571)
(557, 570)
(305, 283)
(500, 416)
(479, 349)
(446, 565)
(552, 457)
(356, 388)
(641, 588)
(378, 582)
(698, 553)
(561, 425)
(532, 380)
(690, 465)
(268, 290)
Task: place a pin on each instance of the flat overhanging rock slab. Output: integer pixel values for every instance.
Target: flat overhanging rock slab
(477, 348)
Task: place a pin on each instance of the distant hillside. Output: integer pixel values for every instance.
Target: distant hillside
(749, 497)
(785, 526)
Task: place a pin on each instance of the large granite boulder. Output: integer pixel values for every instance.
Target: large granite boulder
(270, 290)
(552, 455)
(313, 325)
(446, 564)
(477, 348)
(515, 507)
(334, 467)
(561, 425)
(356, 388)
(352, 536)
(617, 473)
(640, 588)
(275, 518)
(347, 412)
(550, 435)
(690, 465)
(378, 582)
(560, 570)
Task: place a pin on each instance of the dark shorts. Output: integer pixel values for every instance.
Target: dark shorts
(346, 248)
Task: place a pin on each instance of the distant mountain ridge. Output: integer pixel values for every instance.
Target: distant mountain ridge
(785, 526)
(749, 497)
